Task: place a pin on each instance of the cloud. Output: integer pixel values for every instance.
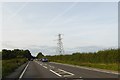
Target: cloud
(51, 50)
(34, 26)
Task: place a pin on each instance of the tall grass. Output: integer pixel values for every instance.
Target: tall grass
(104, 59)
(113, 67)
(10, 65)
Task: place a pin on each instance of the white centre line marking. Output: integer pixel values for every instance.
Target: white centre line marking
(56, 73)
(80, 77)
(39, 63)
(45, 67)
(24, 71)
(42, 64)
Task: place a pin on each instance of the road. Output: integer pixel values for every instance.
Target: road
(37, 69)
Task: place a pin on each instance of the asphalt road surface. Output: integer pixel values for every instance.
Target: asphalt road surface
(37, 69)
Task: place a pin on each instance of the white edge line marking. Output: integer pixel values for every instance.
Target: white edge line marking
(24, 71)
(66, 71)
(55, 73)
(45, 67)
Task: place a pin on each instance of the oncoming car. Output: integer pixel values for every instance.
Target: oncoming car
(44, 60)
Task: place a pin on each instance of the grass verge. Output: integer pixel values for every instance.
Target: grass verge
(113, 67)
(8, 66)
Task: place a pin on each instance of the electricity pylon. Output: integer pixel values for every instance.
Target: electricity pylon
(60, 48)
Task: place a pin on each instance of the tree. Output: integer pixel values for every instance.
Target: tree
(16, 53)
(40, 55)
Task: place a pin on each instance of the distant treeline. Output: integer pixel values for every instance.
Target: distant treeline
(16, 53)
(105, 56)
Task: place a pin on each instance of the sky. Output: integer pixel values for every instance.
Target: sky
(86, 26)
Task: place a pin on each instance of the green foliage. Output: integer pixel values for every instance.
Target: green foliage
(106, 59)
(16, 53)
(12, 59)
(40, 55)
(10, 65)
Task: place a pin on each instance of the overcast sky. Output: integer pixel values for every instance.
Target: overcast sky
(86, 26)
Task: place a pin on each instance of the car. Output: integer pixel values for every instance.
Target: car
(31, 59)
(44, 60)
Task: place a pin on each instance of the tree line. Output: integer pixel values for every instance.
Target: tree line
(16, 53)
(103, 56)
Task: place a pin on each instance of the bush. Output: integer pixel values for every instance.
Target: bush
(106, 59)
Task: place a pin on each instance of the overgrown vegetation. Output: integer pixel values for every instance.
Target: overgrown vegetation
(106, 59)
(16, 53)
(12, 59)
(10, 65)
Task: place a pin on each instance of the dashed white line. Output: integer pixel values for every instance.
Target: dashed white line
(80, 77)
(45, 67)
(41, 64)
(56, 73)
(24, 71)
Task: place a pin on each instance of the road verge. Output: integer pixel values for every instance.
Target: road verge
(17, 72)
(89, 68)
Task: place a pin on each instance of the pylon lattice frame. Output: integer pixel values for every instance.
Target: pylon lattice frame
(60, 49)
